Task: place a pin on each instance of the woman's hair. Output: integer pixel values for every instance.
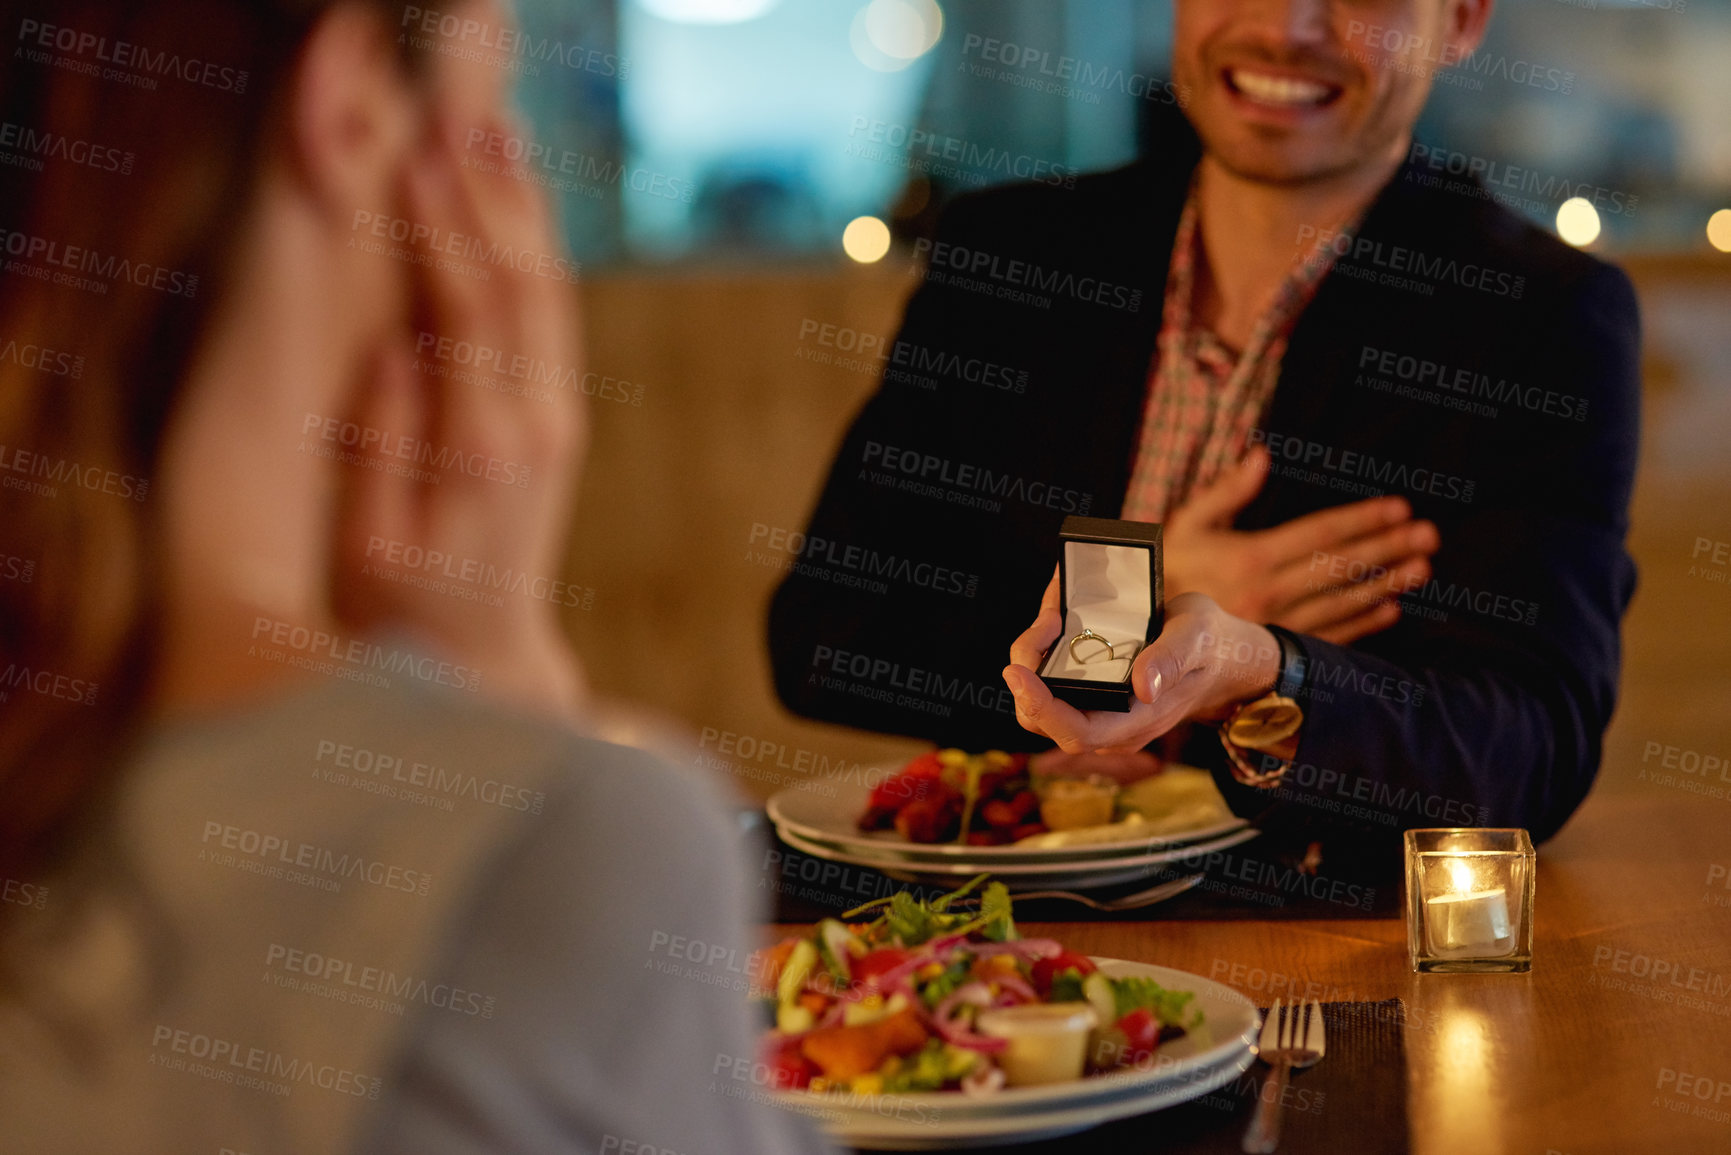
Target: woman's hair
(130, 137)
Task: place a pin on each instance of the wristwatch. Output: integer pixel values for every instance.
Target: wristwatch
(1268, 726)
(1289, 682)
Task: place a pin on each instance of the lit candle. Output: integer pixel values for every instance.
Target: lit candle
(1469, 900)
(1467, 921)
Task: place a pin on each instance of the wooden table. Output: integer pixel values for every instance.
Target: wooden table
(1590, 1053)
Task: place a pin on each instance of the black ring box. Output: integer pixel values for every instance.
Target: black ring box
(1111, 579)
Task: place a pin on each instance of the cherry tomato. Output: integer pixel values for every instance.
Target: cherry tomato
(789, 1070)
(931, 819)
(1141, 1035)
(914, 780)
(1047, 969)
(868, 967)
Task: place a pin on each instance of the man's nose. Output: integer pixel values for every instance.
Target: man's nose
(1295, 22)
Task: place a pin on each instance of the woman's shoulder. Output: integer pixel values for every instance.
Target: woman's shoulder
(318, 877)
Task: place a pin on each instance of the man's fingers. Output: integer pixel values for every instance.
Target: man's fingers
(1036, 710)
(1363, 581)
(1323, 613)
(1119, 734)
(1344, 631)
(1347, 612)
(1122, 768)
(1164, 660)
(1369, 559)
(1327, 530)
(1216, 503)
(1031, 646)
(1074, 731)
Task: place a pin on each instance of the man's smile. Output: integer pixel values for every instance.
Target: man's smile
(1273, 89)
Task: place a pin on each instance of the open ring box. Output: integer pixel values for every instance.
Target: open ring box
(1109, 581)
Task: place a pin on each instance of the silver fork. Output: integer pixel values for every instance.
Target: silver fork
(1141, 898)
(1289, 1041)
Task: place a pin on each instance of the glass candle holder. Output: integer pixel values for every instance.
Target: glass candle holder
(1469, 900)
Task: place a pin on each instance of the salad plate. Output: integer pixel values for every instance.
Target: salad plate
(934, 1023)
(939, 1130)
(1022, 875)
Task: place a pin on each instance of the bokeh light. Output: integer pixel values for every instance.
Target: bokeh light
(889, 35)
(707, 11)
(866, 240)
(1578, 221)
(1719, 230)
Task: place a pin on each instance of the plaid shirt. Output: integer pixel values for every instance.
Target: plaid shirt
(1203, 398)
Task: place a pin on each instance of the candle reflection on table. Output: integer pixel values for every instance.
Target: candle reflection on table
(1465, 1077)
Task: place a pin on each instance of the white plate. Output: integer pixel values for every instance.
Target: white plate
(834, 821)
(1027, 875)
(1185, 1069)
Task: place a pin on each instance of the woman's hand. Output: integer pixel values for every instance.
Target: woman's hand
(1204, 661)
(487, 532)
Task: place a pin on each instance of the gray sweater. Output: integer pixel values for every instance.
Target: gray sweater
(390, 920)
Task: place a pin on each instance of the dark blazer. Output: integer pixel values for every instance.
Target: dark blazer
(1456, 355)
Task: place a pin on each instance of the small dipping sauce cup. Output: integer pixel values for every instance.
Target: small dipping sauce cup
(1048, 1041)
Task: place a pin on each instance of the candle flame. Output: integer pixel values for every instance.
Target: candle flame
(1460, 876)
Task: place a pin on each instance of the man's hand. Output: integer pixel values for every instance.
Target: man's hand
(1204, 661)
(1334, 574)
(1120, 768)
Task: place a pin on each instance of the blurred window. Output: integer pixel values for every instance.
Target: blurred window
(759, 129)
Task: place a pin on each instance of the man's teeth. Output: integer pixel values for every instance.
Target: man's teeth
(1278, 89)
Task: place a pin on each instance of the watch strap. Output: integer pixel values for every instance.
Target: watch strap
(1289, 682)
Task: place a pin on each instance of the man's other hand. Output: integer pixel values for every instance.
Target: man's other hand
(1334, 574)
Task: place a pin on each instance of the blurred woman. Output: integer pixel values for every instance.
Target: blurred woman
(300, 845)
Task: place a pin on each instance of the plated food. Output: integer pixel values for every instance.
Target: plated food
(998, 799)
(944, 995)
(1019, 825)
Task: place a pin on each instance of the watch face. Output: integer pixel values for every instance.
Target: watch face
(1264, 723)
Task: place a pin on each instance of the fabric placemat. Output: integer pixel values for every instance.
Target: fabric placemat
(1264, 878)
(1354, 1100)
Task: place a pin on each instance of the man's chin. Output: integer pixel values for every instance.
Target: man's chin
(1292, 163)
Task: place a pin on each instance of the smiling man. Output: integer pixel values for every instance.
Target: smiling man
(1389, 427)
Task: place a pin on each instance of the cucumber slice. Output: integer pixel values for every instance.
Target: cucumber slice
(793, 1019)
(1097, 989)
(835, 944)
(794, 972)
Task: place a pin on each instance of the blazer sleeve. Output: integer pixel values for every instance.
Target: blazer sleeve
(1498, 719)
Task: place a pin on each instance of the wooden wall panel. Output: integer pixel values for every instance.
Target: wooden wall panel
(736, 428)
